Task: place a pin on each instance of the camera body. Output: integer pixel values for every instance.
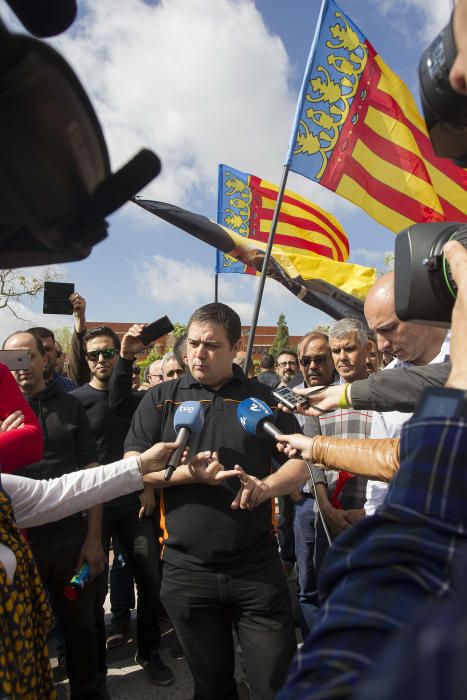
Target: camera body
(424, 289)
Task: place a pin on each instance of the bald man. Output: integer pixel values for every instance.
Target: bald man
(409, 344)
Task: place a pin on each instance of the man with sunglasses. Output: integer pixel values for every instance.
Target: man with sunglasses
(317, 368)
(136, 536)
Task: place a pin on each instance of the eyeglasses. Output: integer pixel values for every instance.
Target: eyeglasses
(107, 354)
(173, 372)
(306, 360)
(156, 376)
(292, 363)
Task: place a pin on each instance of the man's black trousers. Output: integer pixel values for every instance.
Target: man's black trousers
(205, 606)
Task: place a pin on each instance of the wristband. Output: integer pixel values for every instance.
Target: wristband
(343, 401)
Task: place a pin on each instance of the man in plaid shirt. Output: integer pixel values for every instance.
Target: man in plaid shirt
(342, 495)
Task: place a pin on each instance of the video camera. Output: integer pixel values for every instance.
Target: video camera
(56, 185)
(424, 288)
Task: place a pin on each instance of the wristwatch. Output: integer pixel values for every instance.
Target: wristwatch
(441, 402)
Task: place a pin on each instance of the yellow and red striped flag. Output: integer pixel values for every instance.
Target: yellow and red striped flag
(246, 205)
(358, 132)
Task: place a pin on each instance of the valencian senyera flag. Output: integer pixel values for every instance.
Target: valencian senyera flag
(336, 288)
(245, 204)
(358, 132)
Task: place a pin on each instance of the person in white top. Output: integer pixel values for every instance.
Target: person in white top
(409, 344)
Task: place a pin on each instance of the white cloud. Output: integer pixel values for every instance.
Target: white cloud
(373, 258)
(199, 82)
(432, 15)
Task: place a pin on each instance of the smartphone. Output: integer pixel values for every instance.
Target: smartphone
(156, 330)
(57, 298)
(292, 400)
(15, 359)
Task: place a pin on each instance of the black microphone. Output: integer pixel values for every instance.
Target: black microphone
(188, 420)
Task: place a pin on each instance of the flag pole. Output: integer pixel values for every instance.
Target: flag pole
(264, 269)
(216, 287)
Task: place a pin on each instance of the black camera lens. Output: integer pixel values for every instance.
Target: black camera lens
(443, 281)
(444, 109)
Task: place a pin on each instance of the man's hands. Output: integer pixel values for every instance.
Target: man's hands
(12, 422)
(336, 519)
(251, 493)
(92, 551)
(206, 469)
(131, 343)
(148, 502)
(320, 401)
(456, 255)
(79, 311)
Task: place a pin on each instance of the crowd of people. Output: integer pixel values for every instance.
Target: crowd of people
(369, 473)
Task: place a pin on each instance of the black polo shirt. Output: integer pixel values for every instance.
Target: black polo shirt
(200, 528)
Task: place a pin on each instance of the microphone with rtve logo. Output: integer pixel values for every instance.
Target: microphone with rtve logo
(188, 420)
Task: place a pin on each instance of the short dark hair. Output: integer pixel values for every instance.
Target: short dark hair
(41, 332)
(221, 315)
(39, 343)
(267, 361)
(179, 349)
(102, 330)
(287, 351)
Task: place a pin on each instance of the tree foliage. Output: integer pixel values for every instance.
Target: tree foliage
(63, 337)
(281, 339)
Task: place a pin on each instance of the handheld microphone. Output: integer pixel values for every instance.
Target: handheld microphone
(254, 416)
(188, 420)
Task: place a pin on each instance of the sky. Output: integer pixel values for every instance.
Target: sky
(203, 82)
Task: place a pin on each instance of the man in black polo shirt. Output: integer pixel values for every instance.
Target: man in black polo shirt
(220, 565)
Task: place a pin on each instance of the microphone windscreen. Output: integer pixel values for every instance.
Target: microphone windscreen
(189, 415)
(251, 413)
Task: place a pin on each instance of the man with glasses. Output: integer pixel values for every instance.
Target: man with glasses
(154, 375)
(121, 516)
(286, 366)
(170, 367)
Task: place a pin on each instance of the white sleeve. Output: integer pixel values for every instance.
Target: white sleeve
(36, 502)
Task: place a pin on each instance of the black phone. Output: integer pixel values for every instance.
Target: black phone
(57, 298)
(292, 400)
(156, 330)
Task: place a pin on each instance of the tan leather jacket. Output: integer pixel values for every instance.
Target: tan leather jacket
(376, 459)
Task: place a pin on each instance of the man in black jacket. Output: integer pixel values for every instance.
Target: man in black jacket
(60, 548)
(121, 519)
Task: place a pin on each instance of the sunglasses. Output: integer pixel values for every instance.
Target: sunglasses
(107, 354)
(306, 360)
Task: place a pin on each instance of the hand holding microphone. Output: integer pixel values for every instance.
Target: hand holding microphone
(255, 417)
(188, 421)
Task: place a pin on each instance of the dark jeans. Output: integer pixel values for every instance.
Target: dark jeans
(304, 532)
(85, 649)
(122, 590)
(285, 534)
(140, 549)
(205, 605)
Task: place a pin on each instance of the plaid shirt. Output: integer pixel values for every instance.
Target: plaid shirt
(65, 383)
(343, 423)
(382, 574)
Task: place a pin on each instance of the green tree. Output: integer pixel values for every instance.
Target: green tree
(281, 340)
(63, 336)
